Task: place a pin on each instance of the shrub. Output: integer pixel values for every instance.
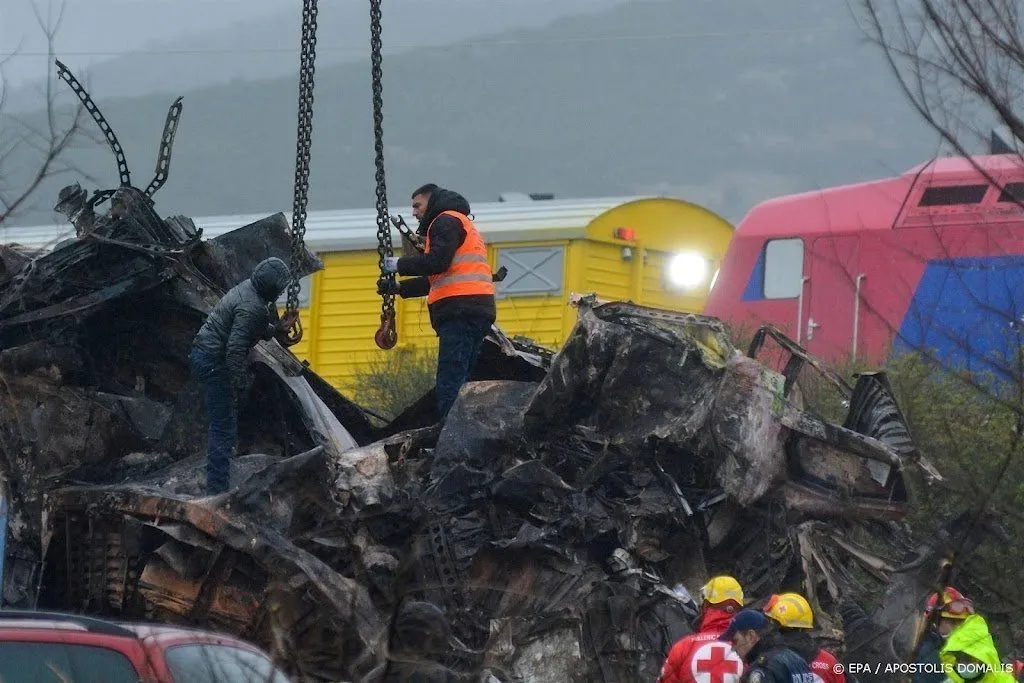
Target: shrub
(394, 380)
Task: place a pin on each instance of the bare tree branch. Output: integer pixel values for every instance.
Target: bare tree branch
(50, 141)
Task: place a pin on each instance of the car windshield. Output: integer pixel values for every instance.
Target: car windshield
(205, 663)
(63, 663)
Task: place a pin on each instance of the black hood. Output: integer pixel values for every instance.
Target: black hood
(772, 640)
(270, 277)
(800, 641)
(442, 200)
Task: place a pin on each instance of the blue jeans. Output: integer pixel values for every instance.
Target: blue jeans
(213, 376)
(459, 343)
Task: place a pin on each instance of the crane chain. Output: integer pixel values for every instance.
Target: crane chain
(387, 335)
(302, 156)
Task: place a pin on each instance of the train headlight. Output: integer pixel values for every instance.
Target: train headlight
(687, 270)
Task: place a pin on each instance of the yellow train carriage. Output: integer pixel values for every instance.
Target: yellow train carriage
(660, 252)
(656, 251)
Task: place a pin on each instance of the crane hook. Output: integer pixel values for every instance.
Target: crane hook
(387, 335)
(290, 330)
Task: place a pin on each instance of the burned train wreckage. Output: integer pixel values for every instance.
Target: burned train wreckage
(552, 519)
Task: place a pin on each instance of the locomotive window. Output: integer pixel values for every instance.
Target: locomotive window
(783, 268)
(955, 194)
(1012, 192)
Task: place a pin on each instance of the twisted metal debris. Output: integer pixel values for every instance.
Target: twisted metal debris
(551, 519)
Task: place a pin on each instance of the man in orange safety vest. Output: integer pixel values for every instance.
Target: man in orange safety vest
(454, 274)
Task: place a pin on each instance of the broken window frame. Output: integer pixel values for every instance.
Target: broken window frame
(798, 357)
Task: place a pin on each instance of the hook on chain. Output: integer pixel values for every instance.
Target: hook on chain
(290, 330)
(387, 334)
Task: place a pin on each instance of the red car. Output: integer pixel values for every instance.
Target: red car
(46, 647)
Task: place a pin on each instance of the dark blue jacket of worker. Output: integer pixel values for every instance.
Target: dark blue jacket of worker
(244, 316)
(771, 662)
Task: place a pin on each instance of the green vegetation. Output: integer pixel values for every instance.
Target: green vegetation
(395, 380)
(970, 430)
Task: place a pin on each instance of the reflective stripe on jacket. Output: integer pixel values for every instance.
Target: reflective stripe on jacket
(972, 638)
(469, 273)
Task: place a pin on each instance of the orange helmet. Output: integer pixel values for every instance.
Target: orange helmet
(951, 604)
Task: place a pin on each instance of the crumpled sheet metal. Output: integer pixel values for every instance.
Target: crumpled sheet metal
(623, 370)
(323, 425)
(634, 375)
(362, 477)
(746, 433)
(556, 656)
(340, 603)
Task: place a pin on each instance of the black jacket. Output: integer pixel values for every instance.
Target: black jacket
(800, 642)
(772, 662)
(243, 316)
(931, 644)
(446, 236)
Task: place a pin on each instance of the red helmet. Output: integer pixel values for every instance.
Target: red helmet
(951, 604)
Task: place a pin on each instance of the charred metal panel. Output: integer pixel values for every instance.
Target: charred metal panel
(747, 435)
(230, 258)
(632, 374)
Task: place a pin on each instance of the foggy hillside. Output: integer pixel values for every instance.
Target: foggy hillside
(255, 40)
(722, 103)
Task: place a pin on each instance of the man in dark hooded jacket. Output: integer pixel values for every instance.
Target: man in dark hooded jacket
(455, 276)
(220, 353)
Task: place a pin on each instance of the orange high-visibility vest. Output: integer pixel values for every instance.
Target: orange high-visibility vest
(469, 273)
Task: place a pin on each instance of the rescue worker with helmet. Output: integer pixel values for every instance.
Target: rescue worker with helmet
(454, 274)
(938, 624)
(767, 659)
(969, 654)
(701, 652)
(795, 618)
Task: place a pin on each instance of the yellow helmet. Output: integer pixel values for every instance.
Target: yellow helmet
(791, 610)
(722, 589)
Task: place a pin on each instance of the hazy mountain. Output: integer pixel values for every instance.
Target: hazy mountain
(91, 31)
(214, 42)
(721, 103)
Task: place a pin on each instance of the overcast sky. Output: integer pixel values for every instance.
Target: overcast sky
(94, 30)
(126, 47)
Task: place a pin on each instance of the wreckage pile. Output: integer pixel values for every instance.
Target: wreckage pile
(551, 518)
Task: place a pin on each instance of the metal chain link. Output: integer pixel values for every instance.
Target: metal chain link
(302, 151)
(384, 247)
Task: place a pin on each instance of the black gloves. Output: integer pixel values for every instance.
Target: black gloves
(385, 286)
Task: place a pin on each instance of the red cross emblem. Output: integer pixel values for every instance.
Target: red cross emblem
(716, 662)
